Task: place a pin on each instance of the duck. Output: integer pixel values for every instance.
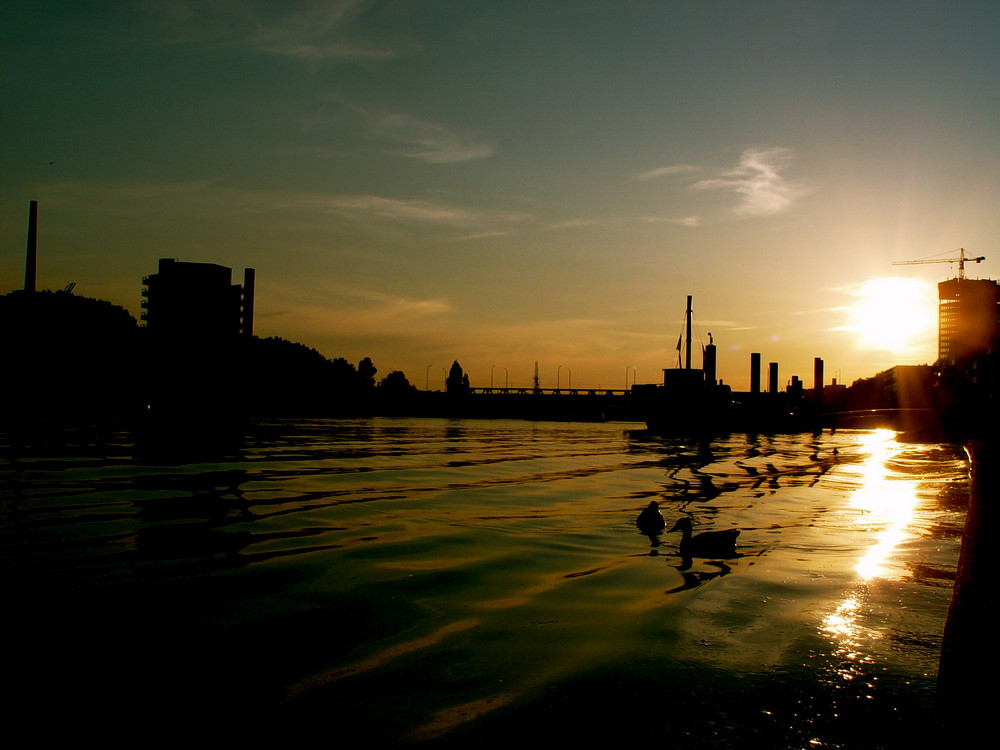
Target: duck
(650, 521)
(706, 544)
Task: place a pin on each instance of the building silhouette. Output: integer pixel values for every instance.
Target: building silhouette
(968, 319)
(197, 300)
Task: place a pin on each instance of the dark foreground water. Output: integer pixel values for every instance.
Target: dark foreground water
(477, 583)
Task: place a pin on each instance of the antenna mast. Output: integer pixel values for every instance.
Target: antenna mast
(687, 324)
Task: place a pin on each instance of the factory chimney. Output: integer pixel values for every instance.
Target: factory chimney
(249, 280)
(755, 373)
(818, 381)
(31, 251)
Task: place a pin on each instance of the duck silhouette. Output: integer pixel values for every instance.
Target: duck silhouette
(650, 521)
(707, 543)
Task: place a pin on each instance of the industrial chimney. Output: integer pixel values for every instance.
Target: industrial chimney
(31, 251)
(755, 373)
(249, 280)
(818, 381)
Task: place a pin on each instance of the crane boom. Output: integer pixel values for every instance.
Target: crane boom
(961, 260)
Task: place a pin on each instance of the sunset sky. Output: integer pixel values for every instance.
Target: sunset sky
(513, 181)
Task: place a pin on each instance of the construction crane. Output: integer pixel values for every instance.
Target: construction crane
(961, 260)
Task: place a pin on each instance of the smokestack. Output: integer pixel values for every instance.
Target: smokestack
(772, 377)
(818, 380)
(249, 280)
(755, 373)
(31, 251)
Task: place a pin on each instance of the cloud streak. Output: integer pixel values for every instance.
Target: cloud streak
(759, 182)
(320, 31)
(208, 198)
(374, 206)
(311, 31)
(664, 172)
(422, 140)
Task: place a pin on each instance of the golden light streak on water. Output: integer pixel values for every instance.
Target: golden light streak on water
(887, 502)
(382, 658)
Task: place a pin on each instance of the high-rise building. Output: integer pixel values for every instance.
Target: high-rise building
(197, 300)
(968, 319)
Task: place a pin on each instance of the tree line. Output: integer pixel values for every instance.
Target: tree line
(73, 357)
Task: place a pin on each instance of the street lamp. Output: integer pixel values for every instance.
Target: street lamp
(558, 372)
(491, 376)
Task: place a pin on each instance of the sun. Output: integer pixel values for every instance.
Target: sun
(895, 315)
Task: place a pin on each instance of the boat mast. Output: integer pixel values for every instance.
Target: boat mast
(687, 352)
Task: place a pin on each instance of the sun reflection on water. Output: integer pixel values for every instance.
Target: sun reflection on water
(886, 503)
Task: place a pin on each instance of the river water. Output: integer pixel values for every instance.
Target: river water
(479, 583)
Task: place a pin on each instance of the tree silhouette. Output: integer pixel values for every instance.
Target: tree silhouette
(366, 373)
(457, 382)
(395, 383)
(68, 357)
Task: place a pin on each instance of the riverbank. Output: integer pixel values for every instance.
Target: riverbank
(969, 658)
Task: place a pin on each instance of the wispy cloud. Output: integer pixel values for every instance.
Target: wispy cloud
(422, 140)
(374, 206)
(759, 181)
(311, 31)
(664, 172)
(319, 31)
(395, 306)
(210, 198)
(333, 317)
(684, 221)
(484, 235)
(572, 224)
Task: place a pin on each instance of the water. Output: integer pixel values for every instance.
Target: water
(456, 583)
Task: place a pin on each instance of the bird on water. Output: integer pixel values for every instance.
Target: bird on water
(707, 543)
(650, 521)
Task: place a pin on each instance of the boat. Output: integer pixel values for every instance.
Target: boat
(690, 401)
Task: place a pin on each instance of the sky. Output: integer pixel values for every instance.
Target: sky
(508, 182)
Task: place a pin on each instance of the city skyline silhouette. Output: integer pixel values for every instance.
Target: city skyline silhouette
(531, 185)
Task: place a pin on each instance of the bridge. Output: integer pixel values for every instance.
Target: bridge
(529, 391)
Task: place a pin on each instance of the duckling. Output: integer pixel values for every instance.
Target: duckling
(706, 544)
(650, 521)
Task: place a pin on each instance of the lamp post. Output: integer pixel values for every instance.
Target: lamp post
(491, 376)
(558, 373)
(427, 378)
(506, 383)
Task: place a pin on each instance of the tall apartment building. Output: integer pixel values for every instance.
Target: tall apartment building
(197, 300)
(968, 319)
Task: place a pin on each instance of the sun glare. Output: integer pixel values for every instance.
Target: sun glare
(895, 315)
